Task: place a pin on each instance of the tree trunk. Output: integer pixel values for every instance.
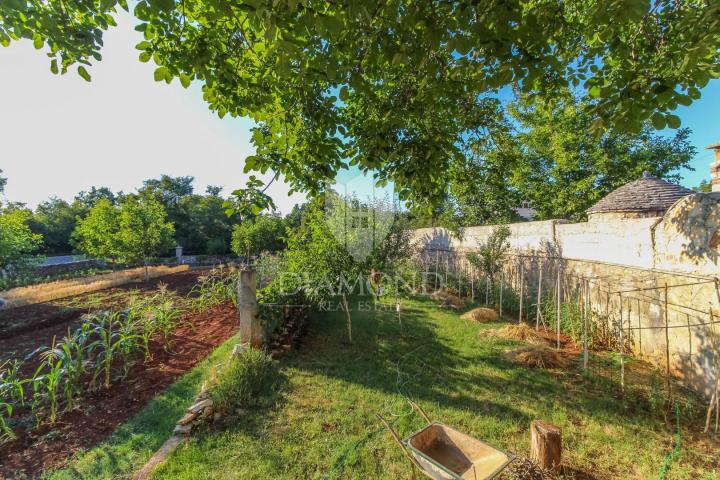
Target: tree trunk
(545, 445)
(147, 274)
(347, 314)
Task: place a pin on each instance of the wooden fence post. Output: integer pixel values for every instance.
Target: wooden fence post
(667, 343)
(586, 316)
(558, 293)
(522, 278)
(622, 346)
(539, 297)
(250, 329)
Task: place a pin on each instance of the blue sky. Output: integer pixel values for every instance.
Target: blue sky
(60, 135)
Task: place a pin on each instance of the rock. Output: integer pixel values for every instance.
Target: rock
(200, 406)
(217, 416)
(480, 314)
(182, 429)
(189, 417)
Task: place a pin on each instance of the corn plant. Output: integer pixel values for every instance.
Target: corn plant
(164, 318)
(47, 382)
(6, 433)
(73, 353)
(107, 346)
(129, 341)
(12, 387)
(215, 288)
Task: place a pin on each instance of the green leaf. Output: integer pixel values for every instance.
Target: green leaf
(185, 80)
(145, 57)
(673, 121)
(160, 74)
(38, 43)
(83, 73)
(344, 94)
(594, 92)
(54, 66)
(658, 120)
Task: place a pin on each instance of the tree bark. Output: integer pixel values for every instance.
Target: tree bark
(349, 320)
(545, 445)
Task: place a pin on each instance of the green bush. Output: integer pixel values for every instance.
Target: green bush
(246, 376)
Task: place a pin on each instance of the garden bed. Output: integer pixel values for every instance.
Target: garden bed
(23, 329)
(50, 446)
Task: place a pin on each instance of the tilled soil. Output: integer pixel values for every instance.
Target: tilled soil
(50, 446)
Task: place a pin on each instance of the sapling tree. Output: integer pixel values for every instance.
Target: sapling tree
(143, 231)
(262, 233)
(319, 262)
(490, 253)
(134, 231)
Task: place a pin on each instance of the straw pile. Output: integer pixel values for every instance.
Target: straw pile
(480, 314)
(521, 332)
(536, 356)
(454, 302)
(443, 293)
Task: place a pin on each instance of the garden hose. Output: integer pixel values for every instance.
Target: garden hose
(669, 457)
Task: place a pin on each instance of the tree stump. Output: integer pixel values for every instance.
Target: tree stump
(545, 445)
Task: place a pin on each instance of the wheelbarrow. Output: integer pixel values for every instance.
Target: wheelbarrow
(443, 453)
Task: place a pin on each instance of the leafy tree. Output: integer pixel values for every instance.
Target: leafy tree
(96, 235)
(134, 231)
(55, 220)
(394, 86)
(263, 233)
(704, 187)
(204, 226)
(562, 169)
(143, 231)
(84, 201)
(319, 262)
(489, 255)
(17, 241)
(251, 201)
(3, 182)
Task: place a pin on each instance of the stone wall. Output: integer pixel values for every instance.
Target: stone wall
(628, 264)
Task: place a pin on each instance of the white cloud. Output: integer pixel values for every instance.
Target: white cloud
(61, 134)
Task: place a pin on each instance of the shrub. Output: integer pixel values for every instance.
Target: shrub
(247, 374)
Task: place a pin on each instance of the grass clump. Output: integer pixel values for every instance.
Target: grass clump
(246, 376)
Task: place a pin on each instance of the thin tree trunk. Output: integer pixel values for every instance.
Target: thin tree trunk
(347, 314)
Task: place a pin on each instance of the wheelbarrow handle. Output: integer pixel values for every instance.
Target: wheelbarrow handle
(420, 411)
(399, 442)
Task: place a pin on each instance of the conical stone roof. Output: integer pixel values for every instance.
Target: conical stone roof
(648, 194)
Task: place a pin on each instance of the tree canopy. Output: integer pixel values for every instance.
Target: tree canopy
(395, 87)
(17, 241)
(133, 231)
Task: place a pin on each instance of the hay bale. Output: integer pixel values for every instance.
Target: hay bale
(520, 332)
(480, 314)
(536, 356)
(443, 294)
(454, 302)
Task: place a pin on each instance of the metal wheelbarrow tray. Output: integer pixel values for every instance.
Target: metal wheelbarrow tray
(443, 453)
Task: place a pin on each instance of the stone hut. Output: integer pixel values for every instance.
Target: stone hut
(644, 198)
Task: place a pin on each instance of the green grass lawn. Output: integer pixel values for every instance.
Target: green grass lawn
(322, 425)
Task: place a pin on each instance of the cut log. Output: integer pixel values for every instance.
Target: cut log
(545, 445)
